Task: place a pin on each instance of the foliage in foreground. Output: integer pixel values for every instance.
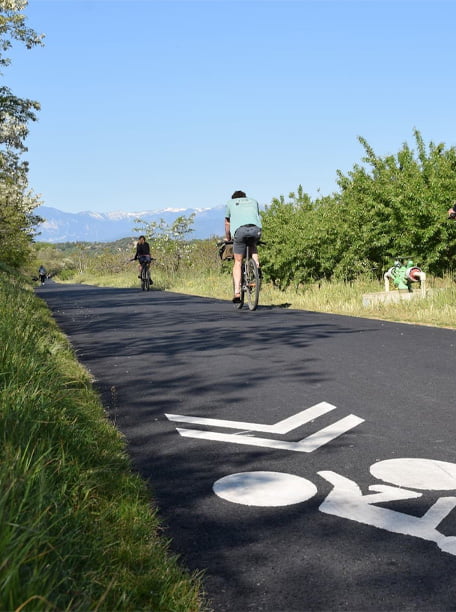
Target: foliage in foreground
(16, 199)
(78, 532)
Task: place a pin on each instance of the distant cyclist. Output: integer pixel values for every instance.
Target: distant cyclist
(142, 253)
(242, 223)
(452, 211)
(42, 274)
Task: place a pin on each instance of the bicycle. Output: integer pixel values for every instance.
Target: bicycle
(144, 274)
(250, 277)
(146, 281)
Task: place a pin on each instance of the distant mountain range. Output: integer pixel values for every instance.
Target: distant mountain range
(89, 226)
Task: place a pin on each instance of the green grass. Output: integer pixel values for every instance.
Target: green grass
(78, 531)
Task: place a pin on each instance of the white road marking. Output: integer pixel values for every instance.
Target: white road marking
(417, 473)
(267, 489)
(306, 445)
(281, 427)
(347, 501)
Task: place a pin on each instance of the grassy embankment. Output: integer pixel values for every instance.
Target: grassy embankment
(77, 528)
(438, 308)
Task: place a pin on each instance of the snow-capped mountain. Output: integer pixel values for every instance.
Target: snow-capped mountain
(59, 226)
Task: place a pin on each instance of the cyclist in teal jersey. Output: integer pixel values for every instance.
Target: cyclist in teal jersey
(242, 224)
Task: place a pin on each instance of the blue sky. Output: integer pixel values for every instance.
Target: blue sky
(148, 104)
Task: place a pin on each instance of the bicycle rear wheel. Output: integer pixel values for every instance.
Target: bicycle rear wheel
(252, 284)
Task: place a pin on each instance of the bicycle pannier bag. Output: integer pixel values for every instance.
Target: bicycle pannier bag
(226, 252)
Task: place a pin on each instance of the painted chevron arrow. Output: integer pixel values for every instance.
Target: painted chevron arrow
(281, 427)
(306, 445)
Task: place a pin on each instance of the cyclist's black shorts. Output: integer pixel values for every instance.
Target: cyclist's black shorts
(144, 258)
(244, 234)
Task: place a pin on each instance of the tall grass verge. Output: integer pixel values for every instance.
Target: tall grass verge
(77, 528)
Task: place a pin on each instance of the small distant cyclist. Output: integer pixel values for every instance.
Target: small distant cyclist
(142, 253)
(42, 274)
(242, 224)
(452, 211)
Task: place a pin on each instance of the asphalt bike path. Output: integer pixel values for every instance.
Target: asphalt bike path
(305, 461)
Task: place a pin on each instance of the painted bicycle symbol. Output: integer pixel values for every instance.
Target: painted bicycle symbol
(405, 478)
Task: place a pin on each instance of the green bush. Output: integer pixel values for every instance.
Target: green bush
(387, 207)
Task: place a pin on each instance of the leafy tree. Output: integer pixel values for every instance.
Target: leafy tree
(285, 259)
(179, 246)
(303, 239)
(397, 207)
(171, 242)
(387, 207)
(16, 199)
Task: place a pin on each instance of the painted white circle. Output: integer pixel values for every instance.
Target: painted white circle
(417, 473)
(264, 489)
